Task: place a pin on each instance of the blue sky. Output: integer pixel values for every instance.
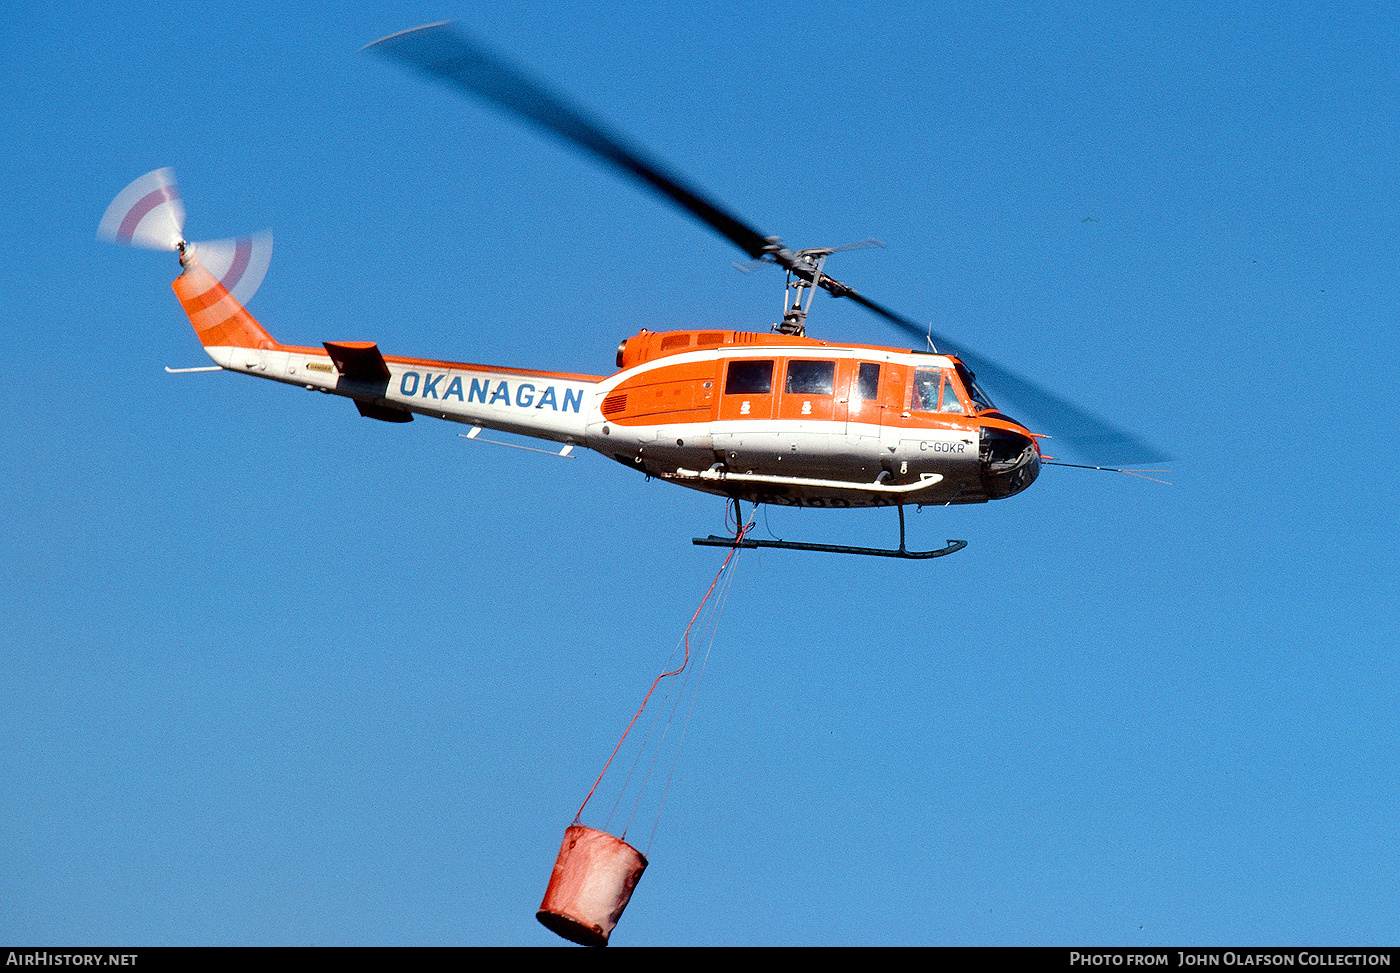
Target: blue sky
(274, 673)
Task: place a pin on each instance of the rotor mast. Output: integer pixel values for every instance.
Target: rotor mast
(804, 276)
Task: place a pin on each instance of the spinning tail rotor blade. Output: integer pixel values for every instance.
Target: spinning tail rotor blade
(148, 213)
(1063, 421)
(443, 53)
(239, 264)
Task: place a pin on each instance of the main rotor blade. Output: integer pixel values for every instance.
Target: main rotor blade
(441, 52)
(1062, 420)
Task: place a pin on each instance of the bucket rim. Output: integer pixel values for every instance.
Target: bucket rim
(571, 929)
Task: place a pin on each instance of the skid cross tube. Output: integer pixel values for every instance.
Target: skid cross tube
(746, 542)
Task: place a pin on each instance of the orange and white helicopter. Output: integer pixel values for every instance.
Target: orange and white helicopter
(777, 417)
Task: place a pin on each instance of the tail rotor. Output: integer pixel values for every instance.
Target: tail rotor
(150, 214)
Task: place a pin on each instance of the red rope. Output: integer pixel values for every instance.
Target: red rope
(685, 661)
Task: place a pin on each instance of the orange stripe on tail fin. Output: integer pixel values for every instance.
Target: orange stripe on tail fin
(218, 319)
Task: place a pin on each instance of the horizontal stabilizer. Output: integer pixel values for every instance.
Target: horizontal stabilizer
(361, 361)
(358, 360)
(384, 413)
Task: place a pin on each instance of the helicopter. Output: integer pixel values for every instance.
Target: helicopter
(778, 417)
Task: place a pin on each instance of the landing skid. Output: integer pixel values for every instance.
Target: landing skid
(743, 541)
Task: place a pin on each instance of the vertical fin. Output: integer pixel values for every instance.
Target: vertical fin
(218, 319)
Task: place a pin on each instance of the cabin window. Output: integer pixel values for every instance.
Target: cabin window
(926, 383)
(868, 382)
(934, 391)
(811, 378)
(749, 378)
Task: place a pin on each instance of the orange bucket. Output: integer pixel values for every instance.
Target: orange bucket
(593, 879)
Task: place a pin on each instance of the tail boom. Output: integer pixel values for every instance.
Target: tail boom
(544, 405)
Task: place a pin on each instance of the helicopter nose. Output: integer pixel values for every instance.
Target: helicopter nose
(1010, 462)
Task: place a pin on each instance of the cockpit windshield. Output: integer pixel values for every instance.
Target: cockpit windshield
(980, 399)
